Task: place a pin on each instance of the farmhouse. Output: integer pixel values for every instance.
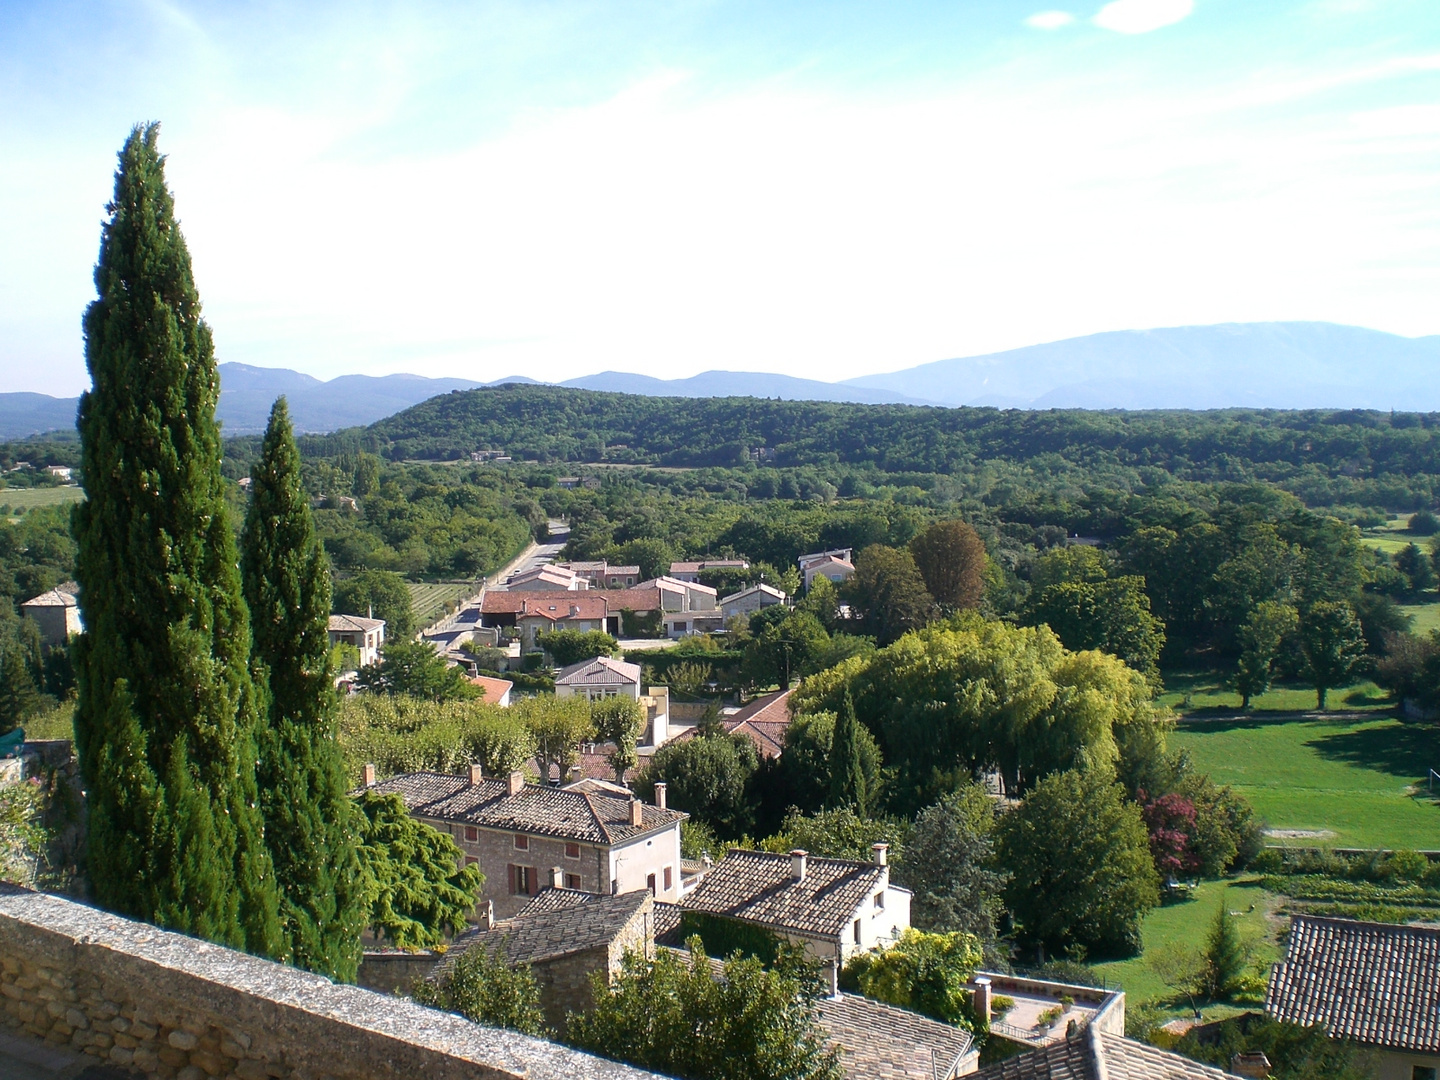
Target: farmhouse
(365, 635)
(56, 613)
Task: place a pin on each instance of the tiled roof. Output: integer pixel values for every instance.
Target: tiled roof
(542, 811)
(676, 585)
(54, 598)
(667, 924)
(1096, 1055)
(816, 557)
(880, 1042)
(599, 671)
(495, 689)
(504, 602)
(354, 623)
(1376, 983)
(594, 785)
(555, 928)
(757, 886)
(709, 564)
(571, 605)
(763, 721)
(776, 594)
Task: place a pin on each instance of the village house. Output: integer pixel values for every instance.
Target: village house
(835, 908)
(835, 565)
(493, 691)
(681, 624)
(763, 721)
(676, 595)
(365, 635)
(603, 677)
(691, 571)
(748, 601)
(56, 613)
(517, 832)
(1376, 984)
(601, 575)
(547, 578)
(500, 609)
(567, 611)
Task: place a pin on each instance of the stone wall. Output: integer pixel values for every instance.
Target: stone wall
(393, 971)
(170, 1007)
(564, 983)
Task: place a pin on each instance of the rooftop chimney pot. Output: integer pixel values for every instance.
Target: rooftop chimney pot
(982, 1000)
(369, 774)
(489, 915)
(516, 784)
(660, 790)
(833, 972)
(477, 773)
(797, 864)
(637, 813)
(882, 852)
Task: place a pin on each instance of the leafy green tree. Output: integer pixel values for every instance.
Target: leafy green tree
(166, 718)
(951, 558)
(419, 892)
(821, 600)
(1227, 955)
(840, 834)
(927, 973)
(557, 726)
(949, 867)
(1261, 637)
(381, 593)
(887, 593)
(1333, 645)
(19, 699)
(786, 645)
(651, 554)
(1080, 564)
(1079, 858)
(1417, 567)
(1111, 615)
(708, 777)
(501, 742)
(310, 823)
(568, 647)
(847, 769)
(1295, 1052)
(484, 986)
(415, 668)
(621, 721)
(673, 1016)
(1423, 523)
(805, 764)
(22, 833)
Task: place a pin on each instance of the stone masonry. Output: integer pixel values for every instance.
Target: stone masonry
(173, 1008)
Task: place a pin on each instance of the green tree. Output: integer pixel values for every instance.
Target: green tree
(415, 668)
(380, 594)
(839, 834)
(568, 647)
(1227, 955)
(949, 867)
(927, 973)
(1079, 858)
(1261, 636)
(501, 742)
(652, 555)
(484, 986)
(805, 764)
(18, 697)
(887, 593)
(951, 558)
(1333, 645)
(1111, 615)
(673, 1016)
(621, 721)
(1417, 567)
(1296, 1052)
(847, 770)
(791, 645)
(166, 717)
(557, 726)
(708, 777)
(310, 823)
(821, 600)
(419, 892)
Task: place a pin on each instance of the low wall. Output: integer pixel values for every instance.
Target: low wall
(171, 1007)
(393, 971)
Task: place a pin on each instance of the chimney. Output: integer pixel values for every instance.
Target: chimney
(477, 773)
(637, 813)
(516, 784)
(982, 1000)
(660, 794)
(1254, 1065)
(369, 774)
(574, 610)
(557, 877)
(797, 864)
(881, 852)
(487, 916)
(833, 973)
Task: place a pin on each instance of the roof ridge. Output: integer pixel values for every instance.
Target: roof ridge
(589, 805)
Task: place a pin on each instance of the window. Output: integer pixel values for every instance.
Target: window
(572, 851)
(857, 931)
(650, 883)
(472, 834)
(1422, 1072)
(522, 843)
(879, 901)
(524, 880)
(470, 860)
(572, 881)
(669, 879)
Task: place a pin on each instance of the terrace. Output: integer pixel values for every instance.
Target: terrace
(1043, 1010)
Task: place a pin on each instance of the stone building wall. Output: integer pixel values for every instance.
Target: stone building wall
(564, 983)
(172, 1008)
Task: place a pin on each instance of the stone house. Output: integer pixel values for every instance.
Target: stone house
(567, 612)
(835, 565)
(365, 635)
(501, 608)
(763, 721)
(601, 575)
(517, 832)
(56, 613)
(1377, 984)
(566, 937)
(835, 908)
(548, 578)
(691, 571)
(597, 678)
(748, 601)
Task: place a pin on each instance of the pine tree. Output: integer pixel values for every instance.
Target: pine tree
(311, 826)
(165, 721)
(847, 771)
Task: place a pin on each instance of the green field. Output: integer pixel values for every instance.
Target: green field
(1191, 692)
(30, 498)
(428, 601)
(1189, 922)
(1426, 617)
(1360, 779)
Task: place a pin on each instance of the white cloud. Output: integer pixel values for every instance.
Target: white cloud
(1142, 16)
(1050, 20)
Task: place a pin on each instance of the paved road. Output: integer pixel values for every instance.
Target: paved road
(539, 555)
(446, 632)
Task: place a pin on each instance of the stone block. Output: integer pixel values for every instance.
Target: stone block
(172, 1057)
(125, 1039)
(143, 1030)
(182, 1040)
(213, 1064)
(191, 1072)
(121, 1055)
(76, 1019)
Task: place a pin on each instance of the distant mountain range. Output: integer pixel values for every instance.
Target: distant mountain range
(1294, 365)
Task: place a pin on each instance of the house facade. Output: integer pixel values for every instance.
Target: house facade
(365, 635)
(519, 833)
(598, 678)
(691, 571)
(548, 578)
(56, 613)
(835, 565)
(500, 609)
(601, 575)
(566, 611)
(748, 601)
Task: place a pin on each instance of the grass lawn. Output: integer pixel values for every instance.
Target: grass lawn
(1189, 922)
(1187, 692)
(44, 496)
(1426, 617)
(1350, 777)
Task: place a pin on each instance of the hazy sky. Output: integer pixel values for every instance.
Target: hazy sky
(824, 189)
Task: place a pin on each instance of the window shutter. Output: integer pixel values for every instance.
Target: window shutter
(511, 868)
(534, 882)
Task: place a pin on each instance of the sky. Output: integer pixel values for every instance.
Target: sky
(555, 188)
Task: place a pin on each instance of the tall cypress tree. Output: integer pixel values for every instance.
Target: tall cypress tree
(847, 771)
(311, 825)
(165, 721)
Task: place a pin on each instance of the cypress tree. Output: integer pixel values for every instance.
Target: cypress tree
(311, 825)
(847, 771)
(165, 721)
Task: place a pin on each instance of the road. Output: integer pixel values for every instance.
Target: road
(538, 555)
(446, 633)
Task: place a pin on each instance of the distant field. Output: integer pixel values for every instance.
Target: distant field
(46, 496)
(1426, 616)
(427, 602)
(1356, 779)
(1187, 692)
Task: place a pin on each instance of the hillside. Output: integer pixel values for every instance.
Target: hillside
(757, 384)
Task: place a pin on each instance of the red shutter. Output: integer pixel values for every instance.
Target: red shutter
(511, 868)
(534, 881)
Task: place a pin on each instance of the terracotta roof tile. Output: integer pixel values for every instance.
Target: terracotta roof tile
(1376, 983)
(1096, 1055)
(599, 671)
(495, 689)
(353, 623)
(555, 928)
(881, 1042)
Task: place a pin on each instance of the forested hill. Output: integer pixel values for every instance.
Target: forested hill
(553, 424)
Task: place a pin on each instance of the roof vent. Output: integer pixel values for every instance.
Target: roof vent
(516, 783)
(637, 813)
(797, 864)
